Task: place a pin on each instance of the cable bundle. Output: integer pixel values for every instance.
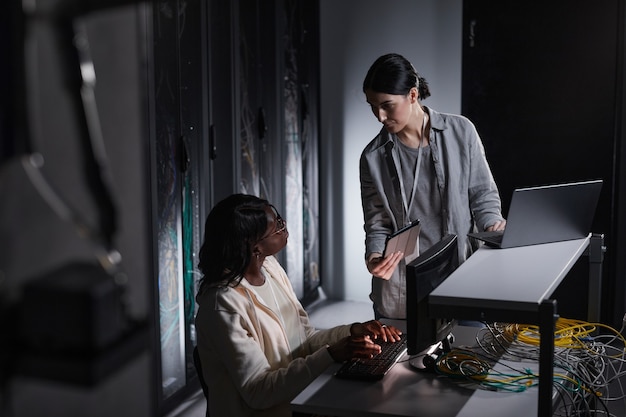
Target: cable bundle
(587, 361)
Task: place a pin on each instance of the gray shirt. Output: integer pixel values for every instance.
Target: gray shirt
(426, 205)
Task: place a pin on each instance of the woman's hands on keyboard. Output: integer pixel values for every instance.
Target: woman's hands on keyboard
(360, 343)
(376, 330)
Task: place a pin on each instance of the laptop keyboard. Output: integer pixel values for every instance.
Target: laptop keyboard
(495, 236)
(374, 368)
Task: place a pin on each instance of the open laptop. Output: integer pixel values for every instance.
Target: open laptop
(544, 214)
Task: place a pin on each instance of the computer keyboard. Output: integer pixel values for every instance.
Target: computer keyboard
(374, 368)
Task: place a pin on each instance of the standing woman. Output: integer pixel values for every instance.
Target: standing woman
(257, 348)
(423, 165)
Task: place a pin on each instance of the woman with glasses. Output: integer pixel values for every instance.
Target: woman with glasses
(257, 347)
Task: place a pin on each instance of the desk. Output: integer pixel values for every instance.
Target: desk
(493, 283)
(508, 285)
(514, 285)
(406, 392)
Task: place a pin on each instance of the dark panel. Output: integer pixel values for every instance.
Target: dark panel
(300, 66)
(166, 178)
(179, 165)
(306, 44)
(223, 75)
(14, 139)
(196, 179)
(540, 83)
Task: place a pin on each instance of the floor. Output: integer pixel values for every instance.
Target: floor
(323, 314)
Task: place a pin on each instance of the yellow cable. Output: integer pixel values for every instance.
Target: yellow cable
(568, 333)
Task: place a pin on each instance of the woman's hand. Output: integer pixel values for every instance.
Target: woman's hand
(376, 330)
(353, 347)
(383, 267)
(497, 226)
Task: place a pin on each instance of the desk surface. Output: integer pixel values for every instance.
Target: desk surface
(516, 278)
(406, 392)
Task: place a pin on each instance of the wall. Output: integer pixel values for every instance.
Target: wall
(354, 33)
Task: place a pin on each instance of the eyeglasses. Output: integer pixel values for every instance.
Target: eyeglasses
(281, 224)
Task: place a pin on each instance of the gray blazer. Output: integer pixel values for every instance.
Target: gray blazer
(470, 197)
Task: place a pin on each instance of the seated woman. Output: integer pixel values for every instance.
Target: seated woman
(257, 347)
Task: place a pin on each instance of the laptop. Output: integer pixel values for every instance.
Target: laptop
(544, 214)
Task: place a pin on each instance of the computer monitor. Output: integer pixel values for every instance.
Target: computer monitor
(425, 334)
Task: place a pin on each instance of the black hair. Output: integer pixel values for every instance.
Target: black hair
(232, 228)
(394, 74)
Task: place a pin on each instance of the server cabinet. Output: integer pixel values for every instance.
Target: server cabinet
(234, 109)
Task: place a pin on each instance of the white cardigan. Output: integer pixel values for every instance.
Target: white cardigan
(245, 354)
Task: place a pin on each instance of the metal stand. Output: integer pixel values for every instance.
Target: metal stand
(547, 320)
(596, 257)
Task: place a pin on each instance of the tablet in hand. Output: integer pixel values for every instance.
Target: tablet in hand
(403, 240)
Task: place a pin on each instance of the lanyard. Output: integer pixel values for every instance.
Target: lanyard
(408, 202)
